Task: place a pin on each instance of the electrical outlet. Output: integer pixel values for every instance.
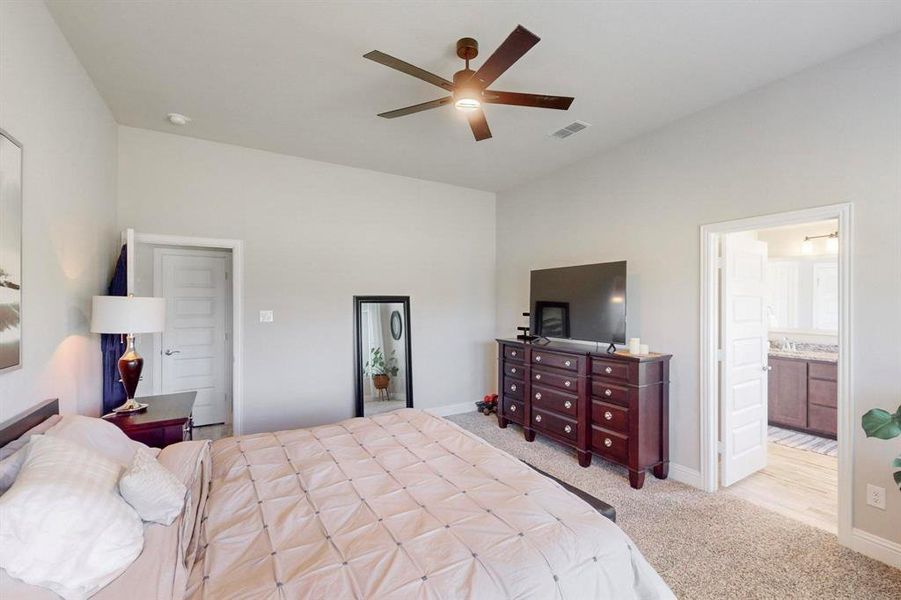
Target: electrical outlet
(876, 496)
(266, 316)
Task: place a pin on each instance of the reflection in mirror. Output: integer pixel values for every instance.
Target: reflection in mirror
(382, 354)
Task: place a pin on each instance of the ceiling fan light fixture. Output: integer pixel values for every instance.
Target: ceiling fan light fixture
(467, 104)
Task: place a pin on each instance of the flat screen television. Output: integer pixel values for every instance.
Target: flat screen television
(587, 302)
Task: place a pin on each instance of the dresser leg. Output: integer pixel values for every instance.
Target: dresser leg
(584, 458)
(501, 421)
(661, 471)
(636, 479)
(529, 434)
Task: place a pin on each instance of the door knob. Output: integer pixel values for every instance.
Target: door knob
(171, 352)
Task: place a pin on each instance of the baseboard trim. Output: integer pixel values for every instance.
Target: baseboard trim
(685, 475)
(876, 547)
(452, 409)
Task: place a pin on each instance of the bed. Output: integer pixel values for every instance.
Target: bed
(400, 505)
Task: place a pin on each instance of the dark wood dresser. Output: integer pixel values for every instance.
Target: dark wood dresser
(166, 421)
(615, 406)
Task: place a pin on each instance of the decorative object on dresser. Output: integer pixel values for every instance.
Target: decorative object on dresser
(613, 405)
(802, 395)
(129, 315)
(165, 422)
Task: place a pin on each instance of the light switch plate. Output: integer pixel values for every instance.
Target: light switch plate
(876, 496)
(266, 316)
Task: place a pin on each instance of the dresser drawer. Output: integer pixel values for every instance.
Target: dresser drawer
(551, 399)
(609, 392)
(558, 361)
(610, 416)
(513, 388)
(610, 369)
(549, 422)
(514, 353)
(610, 444)
(514, 409)
(566, 382)
(514, 370)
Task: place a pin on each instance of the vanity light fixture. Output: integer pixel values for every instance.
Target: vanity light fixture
(831, 243)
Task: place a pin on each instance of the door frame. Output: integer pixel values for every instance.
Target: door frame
(709, 338)
(237, 250)
(158, 253)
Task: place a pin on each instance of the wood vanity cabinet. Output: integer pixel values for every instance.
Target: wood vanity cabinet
(615, 406)
(802, 395)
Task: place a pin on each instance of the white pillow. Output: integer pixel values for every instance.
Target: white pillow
(98, 435)
(152, 489)
(63, 524)
(9, 469)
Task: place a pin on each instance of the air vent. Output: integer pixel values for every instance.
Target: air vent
(570, 129)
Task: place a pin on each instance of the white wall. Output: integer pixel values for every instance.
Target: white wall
(69, 140)
(316, 234)
(830, 134)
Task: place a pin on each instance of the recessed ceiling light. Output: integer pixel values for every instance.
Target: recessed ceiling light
(178, 119)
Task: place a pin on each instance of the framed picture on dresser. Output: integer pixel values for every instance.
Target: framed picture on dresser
(10, 252)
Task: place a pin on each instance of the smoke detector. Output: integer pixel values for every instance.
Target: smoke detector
(178, 119)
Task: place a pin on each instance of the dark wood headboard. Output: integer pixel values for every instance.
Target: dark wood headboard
(22, 422)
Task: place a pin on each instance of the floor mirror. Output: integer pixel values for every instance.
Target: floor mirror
(382, 366)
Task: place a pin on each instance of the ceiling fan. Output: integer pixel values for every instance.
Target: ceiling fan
(469, 89)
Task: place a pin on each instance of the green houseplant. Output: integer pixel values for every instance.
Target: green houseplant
(884, 425)
(381, 368)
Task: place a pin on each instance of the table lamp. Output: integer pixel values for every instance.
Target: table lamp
(129, 315)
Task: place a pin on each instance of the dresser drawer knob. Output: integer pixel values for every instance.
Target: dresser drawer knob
(513, 353)
(537, 358)
(608, 392)
(537, 376)
(538, 396)
(567, 383)
(538, 418)
(608, 415)
(608, 442)
(513, 370)
(568, 363)
(567, 429)
(608, 370)
(512, 408)
(567, 404)
(513, 388)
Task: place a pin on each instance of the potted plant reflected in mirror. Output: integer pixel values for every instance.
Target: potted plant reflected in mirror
(381, 369)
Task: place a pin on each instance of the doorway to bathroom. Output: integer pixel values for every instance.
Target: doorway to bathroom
(774, 363)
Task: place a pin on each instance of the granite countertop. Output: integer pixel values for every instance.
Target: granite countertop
(826, 356)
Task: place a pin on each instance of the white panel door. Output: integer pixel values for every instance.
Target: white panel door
(194, 349)
(743, 420)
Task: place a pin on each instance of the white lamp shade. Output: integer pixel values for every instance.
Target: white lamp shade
(128, 314)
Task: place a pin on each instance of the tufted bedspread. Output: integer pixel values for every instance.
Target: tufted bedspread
(401, 505)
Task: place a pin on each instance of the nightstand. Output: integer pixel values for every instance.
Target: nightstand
(166, 421)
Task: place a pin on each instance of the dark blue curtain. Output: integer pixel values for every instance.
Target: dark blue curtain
(113, 346)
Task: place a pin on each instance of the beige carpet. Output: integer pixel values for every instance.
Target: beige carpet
(708, 545)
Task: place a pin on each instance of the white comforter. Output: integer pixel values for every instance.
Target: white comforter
(401, 505)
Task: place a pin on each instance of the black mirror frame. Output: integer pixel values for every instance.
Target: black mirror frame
(358, 349)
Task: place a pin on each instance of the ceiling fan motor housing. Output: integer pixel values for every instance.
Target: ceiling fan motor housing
(467, 48)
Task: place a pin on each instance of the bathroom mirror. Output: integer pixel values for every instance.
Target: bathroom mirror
(382, 367)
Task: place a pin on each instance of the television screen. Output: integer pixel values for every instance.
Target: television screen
(587, 302)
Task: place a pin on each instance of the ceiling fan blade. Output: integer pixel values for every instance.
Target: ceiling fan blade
(517, 43)
(409, 110)
(405, 67)
(534, 100)
(479, 124)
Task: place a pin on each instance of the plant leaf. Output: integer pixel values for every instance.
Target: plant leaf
(897, 464)
(881, 424)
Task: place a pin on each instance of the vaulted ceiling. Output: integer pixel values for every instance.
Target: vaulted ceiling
(289, 77)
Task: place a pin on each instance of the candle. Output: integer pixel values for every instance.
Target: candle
(644, 350)
(634, 345)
